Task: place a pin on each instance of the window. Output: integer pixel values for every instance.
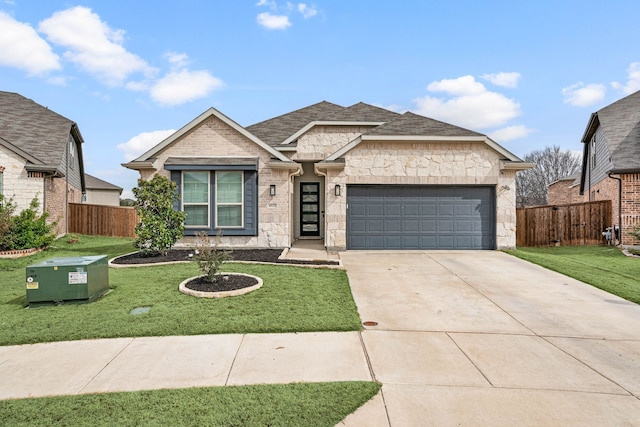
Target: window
(229, 196)
(1, 175)
(195, 198)
(593, 152)
(72, 153)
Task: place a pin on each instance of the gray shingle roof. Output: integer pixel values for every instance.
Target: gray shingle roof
(362, 112)
(620, 123)
(34, 129)
(278, 129)
(93, 183)
(410, 124)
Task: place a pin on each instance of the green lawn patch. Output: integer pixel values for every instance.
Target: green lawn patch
(604, 267)
(292, 299)
(309, 404)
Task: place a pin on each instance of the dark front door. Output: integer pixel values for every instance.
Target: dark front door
(310, 209)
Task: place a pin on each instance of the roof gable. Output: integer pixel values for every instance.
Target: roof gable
(35, 130)
(276, 130)
(620, 123)
(145, 157)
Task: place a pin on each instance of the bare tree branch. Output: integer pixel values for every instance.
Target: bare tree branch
(552, 164)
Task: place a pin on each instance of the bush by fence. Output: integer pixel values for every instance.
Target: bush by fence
(574, 224)
(98, 220)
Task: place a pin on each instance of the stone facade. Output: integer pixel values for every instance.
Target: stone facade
(215, 138)
(426, 164)
(17, 184)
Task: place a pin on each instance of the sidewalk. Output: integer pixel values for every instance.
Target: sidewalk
(127, 364)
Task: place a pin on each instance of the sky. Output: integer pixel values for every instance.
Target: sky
(129, 73)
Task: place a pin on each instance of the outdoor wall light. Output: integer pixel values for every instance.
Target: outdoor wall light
(272, 190)
(337, 190)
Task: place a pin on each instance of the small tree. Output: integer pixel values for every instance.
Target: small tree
(160, 224)
(209, 257)
(25, 230)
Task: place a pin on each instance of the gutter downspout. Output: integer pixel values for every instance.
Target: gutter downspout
(619, 209)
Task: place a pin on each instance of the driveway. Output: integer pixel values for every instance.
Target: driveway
(484, 338)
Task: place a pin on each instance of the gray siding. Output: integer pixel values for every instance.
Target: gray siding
(603, 164)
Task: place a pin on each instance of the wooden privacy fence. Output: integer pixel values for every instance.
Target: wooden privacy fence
(575, 224)
(98, 220)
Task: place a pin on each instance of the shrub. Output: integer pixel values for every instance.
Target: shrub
(25, 230)
(209, 257)
(635, 232)
(160, 224)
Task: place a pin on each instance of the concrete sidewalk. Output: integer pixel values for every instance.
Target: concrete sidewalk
(127, 364)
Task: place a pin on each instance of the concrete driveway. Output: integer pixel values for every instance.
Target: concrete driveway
(483, 338)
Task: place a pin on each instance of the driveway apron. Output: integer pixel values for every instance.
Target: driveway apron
(484, 338)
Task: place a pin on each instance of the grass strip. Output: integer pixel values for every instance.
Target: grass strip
(604, 267)
(308, 404)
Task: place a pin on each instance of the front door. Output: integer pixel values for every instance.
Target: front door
(310, 209)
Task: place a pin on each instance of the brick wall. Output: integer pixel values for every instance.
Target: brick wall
(630, 206)
(56, 201)
(607, 189)
(563, 193)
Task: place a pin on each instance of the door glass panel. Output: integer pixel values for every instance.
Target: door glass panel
(309, 188)
(309, 198)
(310, 218)
(309, 227)
(309, 208)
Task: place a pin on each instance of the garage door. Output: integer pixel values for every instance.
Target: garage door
(420, 217)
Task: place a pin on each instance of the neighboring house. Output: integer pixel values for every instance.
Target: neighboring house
(611, 162)
(101, 192)
(358, 177)
(565, 191)
(40, 157)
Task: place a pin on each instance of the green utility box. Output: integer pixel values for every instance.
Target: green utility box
(67, 280)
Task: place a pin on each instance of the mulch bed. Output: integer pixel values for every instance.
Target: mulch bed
(229, 282)
(257, 255)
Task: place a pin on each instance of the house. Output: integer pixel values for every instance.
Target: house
(565, 190)
(40, 157)
(101, 192)
(358, 177)
(611, 162)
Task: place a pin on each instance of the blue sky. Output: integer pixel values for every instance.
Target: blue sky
(528, 74)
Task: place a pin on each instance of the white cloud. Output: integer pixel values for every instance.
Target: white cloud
(307, 11)
(177, 59)
(633, 79)
(510, 133)
(581, 95)
(178, 87)
(21, 47)
(143, 142)
(509, 80)
(273, 22)
(93, 45)
(470, 104)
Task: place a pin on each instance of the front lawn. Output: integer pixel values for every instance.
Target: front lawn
(604, 267)
(309, 404)
(292, 299)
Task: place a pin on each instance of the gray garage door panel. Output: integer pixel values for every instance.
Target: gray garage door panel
(420, 217)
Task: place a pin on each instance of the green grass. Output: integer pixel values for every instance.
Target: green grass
(292, 299)
(604, 267)
(309, 404)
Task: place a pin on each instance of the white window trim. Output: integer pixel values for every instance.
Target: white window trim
(241, 204)
(208, 204)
